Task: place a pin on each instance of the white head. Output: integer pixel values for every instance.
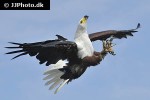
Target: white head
(82, 26)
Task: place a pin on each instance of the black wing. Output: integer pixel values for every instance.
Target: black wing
(49, 51)
(112, 33)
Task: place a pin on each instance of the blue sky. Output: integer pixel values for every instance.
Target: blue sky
(121, 77)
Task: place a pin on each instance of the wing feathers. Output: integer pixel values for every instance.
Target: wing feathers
(113, 33)
(48, 52)
(18, 51)
(61, 37)
(15, 43)
(20, 55)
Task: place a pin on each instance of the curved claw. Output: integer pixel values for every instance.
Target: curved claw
(107, 46)
(112, 53)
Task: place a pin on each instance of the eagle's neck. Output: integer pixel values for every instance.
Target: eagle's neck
(80, 31)
(83, 42)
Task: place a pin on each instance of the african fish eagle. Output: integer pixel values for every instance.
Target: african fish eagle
(68, 60)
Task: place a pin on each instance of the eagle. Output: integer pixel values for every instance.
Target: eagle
(68, 60)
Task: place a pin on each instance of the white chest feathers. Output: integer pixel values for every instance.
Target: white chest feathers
(84, 45)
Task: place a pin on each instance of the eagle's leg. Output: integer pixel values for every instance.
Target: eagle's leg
(107, 48)
(104, 52)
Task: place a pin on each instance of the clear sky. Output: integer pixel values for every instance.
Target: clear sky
(125, 76)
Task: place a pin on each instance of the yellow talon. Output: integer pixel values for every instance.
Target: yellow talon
(107, 47)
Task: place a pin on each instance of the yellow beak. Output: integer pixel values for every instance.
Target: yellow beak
(84, 20)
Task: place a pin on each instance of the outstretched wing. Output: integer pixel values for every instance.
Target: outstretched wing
(112, 33)
(54, 53)
(49, 51)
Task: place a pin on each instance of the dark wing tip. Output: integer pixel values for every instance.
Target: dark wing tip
(17, 51)
(138, 26)
(20, 55)
(11, 47)
(15, 43)
(135, 30)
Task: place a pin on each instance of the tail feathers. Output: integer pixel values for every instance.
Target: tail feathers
(60, 64)
(54, 79)
(58, 89)
(54, 76)
(56, 84)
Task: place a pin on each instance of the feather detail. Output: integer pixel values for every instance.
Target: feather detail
(54, 75)
(58, 89)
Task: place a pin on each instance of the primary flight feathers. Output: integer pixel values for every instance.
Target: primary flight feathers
(70, 59)
(114, 33)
